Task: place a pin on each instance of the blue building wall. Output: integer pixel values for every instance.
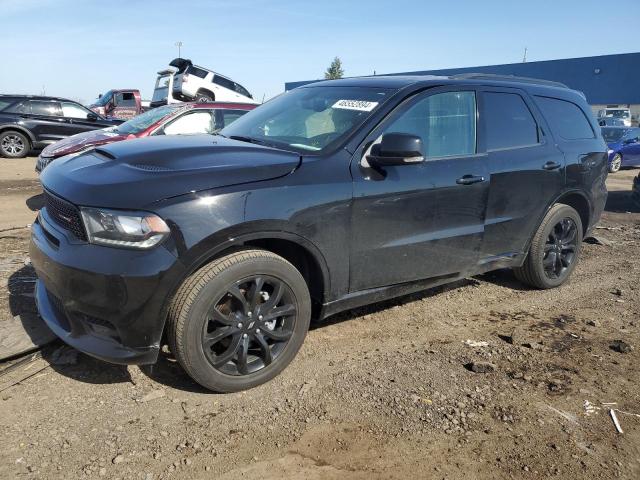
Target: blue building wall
(604, 79)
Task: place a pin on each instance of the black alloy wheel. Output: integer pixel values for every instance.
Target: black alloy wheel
(560, 249)
(249, 327)
(554, 250)
(238, 321)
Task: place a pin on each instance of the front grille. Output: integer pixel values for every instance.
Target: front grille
(65, 214)
(42, 163)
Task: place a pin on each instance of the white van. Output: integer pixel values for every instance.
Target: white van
(190, 83)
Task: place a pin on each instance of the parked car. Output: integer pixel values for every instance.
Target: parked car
(331, 196)
(123, 104)
(194, 83)
(32, 122)
(611, 122)
(623, 114)
(175, 119)
(624, 147)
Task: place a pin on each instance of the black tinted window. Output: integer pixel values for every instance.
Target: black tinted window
(446, 122)
(566, 119)
(5, 102)
(224, 82)
(40, 107)
(241, 90)
(224, 118)
(508, 121)
(125, 99)
(198, 72)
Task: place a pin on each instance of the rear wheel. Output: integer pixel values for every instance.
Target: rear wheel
(554, 250)
(616, 163)
(240, 320)
(14, 144)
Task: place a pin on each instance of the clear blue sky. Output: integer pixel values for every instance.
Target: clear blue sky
(78, 48)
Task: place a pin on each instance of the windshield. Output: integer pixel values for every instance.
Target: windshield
(617, 113)
(310, 119)
(611, 135)
(104, 99)
(144, 120)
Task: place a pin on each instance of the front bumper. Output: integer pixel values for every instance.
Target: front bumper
(105, 302)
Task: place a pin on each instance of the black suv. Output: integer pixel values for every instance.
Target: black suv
(28, 122)
(328, 197)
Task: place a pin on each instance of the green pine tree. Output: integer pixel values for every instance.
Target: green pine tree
(335, 70)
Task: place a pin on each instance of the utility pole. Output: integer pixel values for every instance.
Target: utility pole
(524, 59)
(179, 45)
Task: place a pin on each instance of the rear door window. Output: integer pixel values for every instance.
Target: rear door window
(224, 82)
(566, 118)
(508, 121)
(198, 72)
(224, 118)
(42, 107)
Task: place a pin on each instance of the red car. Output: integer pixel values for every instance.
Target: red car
(174, 119)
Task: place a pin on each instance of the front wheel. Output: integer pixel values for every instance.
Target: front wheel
(616, 163)
(14, 144)
(554, 249)
(239, 321)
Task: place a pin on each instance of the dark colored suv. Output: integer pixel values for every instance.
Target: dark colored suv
(328, 197)
(28, 122)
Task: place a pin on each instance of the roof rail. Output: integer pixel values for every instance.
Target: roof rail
(508, 78)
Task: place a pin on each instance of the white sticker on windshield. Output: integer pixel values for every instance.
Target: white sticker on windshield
(360, 105)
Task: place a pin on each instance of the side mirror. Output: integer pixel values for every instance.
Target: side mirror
(396, 149)
(92, 117)
(630, 140)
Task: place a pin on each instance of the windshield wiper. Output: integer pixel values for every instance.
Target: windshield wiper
(242, 138)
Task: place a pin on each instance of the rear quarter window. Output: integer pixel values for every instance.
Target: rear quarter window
(566, 119)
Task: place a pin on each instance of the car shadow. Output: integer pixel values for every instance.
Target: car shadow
(620, 201)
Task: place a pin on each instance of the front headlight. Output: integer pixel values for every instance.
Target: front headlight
(123, 229)
(609, 151)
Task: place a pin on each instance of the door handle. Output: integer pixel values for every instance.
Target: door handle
(470, 179)
(551, 166)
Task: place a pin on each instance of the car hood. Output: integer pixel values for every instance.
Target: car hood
(82, 141)
(137, 173)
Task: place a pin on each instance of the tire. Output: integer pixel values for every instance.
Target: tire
(616, 163)
(551, 260)
(207, 320)
(14, 144)
(204, 97)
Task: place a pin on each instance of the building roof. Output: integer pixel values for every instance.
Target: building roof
(605, 79)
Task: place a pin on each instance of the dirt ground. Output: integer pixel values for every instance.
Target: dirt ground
(381, 392)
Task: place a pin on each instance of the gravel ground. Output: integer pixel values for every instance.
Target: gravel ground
(480, 379)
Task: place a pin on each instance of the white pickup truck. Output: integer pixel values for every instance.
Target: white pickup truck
(189, 82)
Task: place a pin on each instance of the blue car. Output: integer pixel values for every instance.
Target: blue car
(624, 147)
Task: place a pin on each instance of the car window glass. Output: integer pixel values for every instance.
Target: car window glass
(40, 107)
(224, 118)
(125, 99)
(241, 90)
(446, 122)
(19, 107)
(72, 110)
(508, 121)
(189, 124)
(566, 118)
(198, 72)
(224, 82)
